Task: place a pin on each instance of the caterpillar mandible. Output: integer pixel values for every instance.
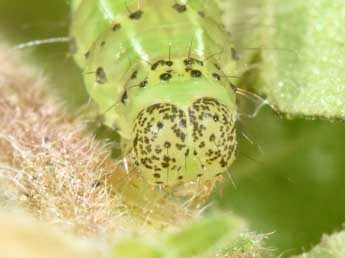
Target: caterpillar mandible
(157, 71)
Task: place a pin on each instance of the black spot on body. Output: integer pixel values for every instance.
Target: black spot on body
(101, 76)
(196, 73)
(156, 64)
(166, 158)
(180, 8)
(143, 84)
(169, 63)
(116, 26)
(188, 62)
(136, 15)
(87, 54)
(102, 43)
(216, 76)
(202, 145)
(165, 76)
(124, 98)
(223, 163)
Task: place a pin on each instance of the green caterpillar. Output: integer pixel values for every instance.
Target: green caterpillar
(157, 70)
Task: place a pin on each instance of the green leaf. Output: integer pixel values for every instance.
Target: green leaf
(221, 235)
(330, 247)
(203, 235)
(300, 62)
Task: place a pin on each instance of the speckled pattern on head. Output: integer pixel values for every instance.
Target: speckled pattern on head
(158, 72)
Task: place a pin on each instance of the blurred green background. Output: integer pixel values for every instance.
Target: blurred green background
(294, 189)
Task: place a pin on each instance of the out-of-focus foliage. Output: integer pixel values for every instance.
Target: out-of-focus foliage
(209, 237)
(330, 247)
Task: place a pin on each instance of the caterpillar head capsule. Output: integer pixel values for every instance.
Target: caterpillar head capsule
(173, 144)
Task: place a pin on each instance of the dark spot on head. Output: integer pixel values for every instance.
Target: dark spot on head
(234, 54)
(143, 84)
(169, 63)
(195, 73)
(180, 8)
(216, 76)
(116, 26)
(156, 64)
(199, 175)
(212, 137)
(166, 158)
(202, 145)
(101, 77)
(223, 163)
(165, 76)
(188, 61)
(136, 15)
(180, 177)
(124, 98)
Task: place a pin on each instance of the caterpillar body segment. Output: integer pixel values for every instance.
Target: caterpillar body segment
(158, 72)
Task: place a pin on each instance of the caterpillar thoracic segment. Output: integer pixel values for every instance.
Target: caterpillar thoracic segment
(157, 70)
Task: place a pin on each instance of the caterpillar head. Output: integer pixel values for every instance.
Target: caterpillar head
(173, 144)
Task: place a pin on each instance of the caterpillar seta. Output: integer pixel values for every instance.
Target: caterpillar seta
(157, 71)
